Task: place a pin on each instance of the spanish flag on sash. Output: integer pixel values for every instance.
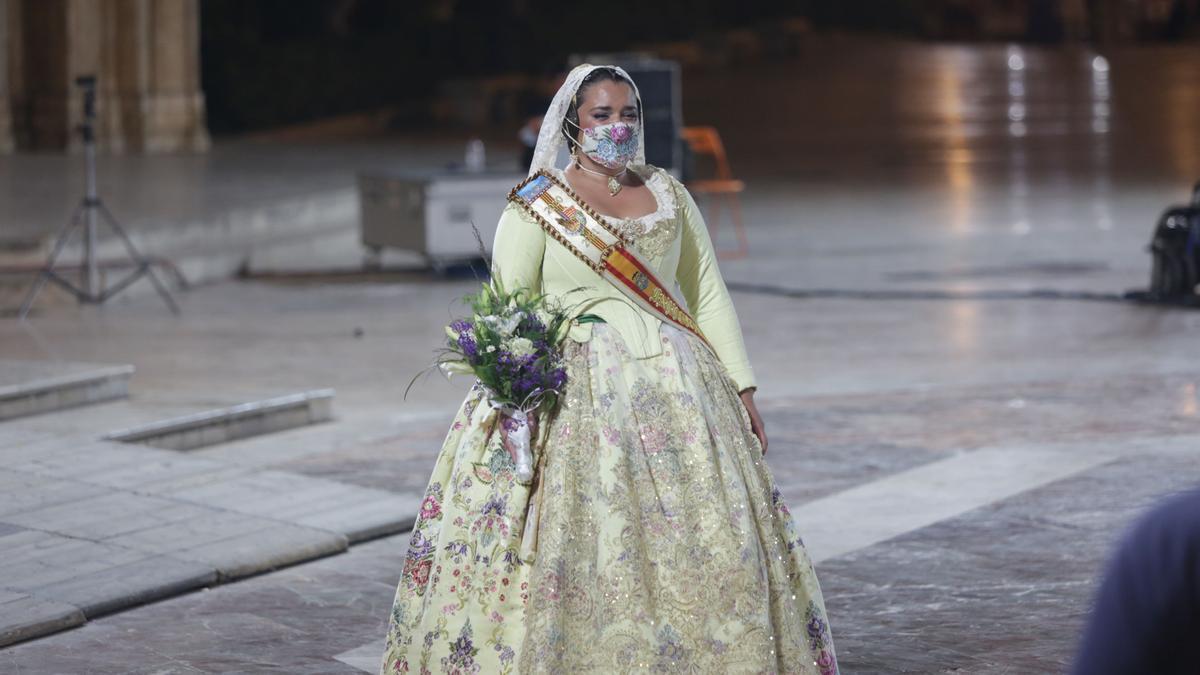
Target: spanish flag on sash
(564, 216)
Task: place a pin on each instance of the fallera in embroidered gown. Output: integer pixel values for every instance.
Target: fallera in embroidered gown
(662, 543)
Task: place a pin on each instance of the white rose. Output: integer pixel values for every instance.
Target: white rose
(520, 346)
(504, 325)
(510, 324)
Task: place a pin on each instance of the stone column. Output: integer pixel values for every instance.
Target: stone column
(155, 59)
(145, 55)
(66, 45)
(7, 143)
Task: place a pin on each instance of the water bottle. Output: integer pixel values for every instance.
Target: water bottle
(476, 157)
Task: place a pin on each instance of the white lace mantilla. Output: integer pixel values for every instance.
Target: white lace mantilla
(653, 233)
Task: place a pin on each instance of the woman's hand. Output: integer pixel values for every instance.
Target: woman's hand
(531, 419)
(756, 422)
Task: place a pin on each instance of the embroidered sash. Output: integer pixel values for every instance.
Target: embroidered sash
(564, 216)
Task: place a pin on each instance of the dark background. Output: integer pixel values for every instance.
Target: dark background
(267, 63)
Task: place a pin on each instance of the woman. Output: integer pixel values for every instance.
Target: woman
(652, 537)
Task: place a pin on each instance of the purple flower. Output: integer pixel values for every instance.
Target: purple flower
(515, 347)
(620, 133)
(816, 627)
(463, 649)
(467, 344)
(494, 506)
(462, 652)
(419, 546)
(531, 324)
(524, 386)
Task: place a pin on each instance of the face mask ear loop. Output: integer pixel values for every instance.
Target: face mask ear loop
(576, 146)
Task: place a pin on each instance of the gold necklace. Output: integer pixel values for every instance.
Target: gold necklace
(614, 186)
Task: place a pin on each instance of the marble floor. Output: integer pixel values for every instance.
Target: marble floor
(963, 413)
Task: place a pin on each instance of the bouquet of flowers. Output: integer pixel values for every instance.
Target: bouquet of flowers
(511, 343)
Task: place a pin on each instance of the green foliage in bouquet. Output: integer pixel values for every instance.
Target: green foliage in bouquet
(512, 343)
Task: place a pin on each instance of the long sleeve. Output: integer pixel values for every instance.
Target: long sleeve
(706, 295)
(518, 249)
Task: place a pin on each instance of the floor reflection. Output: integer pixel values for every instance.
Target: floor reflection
(867, 108)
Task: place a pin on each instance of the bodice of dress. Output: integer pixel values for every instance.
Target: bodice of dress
(652, 234)
(673, 240)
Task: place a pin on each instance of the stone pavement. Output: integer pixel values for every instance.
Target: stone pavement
(92, 527)
(945, 475)
(996, 587)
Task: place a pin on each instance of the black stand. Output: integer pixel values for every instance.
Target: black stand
(86, 214)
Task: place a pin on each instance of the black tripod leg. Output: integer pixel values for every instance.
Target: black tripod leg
(180, 280)
(139, 258)
(111, 290)
(64, 235)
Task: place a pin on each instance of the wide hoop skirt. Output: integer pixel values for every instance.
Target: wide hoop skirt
(655, 539)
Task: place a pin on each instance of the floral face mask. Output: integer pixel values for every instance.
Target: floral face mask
(611, 145)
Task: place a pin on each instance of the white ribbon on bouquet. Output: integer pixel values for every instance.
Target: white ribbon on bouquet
(518, 437)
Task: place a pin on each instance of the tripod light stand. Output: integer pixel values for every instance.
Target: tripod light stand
(91, 207)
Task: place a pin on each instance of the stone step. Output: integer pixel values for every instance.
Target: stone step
(33, 387)
(88, 528)
(222, 425)
(140, 408)
(202, 248)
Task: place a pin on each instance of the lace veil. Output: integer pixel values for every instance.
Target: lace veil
(550, 140)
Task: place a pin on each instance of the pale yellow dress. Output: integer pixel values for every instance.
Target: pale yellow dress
(657, 539)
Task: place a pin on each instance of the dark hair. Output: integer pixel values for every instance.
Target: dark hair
(570, 125)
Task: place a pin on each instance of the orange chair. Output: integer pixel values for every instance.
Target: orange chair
(705, 141)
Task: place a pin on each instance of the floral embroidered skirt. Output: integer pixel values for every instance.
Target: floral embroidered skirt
(653, 538)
